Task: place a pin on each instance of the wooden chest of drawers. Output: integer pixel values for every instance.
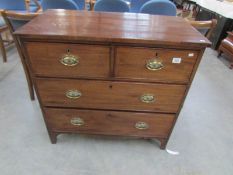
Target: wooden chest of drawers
(111, 73)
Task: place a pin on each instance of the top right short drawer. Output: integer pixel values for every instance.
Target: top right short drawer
(155, 65)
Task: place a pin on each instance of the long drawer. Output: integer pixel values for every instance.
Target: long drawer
(110, 95)
(148, 64)
(68, 60)
(109, 122)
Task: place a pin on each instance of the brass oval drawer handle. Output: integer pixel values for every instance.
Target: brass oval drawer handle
(69, 60)
(154, 64)
(141, 125)
(73, 94)
(147, 98)
(77, 121)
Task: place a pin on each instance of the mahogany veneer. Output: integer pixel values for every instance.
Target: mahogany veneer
(110, 122)
(110, 95)
(119, 74)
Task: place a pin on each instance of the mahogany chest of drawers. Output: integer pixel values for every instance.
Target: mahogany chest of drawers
(119, 74)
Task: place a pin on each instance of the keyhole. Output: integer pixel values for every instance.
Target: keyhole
(68, 50)
(156, 54)
(110, 86)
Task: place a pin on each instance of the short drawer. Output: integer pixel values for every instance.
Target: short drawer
(159, 65)
(109, 122)
(68, 60)
(110, 95)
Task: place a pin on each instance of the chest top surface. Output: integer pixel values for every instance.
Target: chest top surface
(112, 27)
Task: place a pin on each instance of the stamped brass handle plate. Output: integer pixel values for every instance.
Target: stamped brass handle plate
(141, 125)
(69, 60)
(147, 98)
(73, 94)
(154, 64)
(77, 121)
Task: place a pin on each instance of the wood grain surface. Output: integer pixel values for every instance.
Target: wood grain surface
(109, 122)
(113, 28)
(131, 63)
(113, 49)
(45, 60)
(110, 95)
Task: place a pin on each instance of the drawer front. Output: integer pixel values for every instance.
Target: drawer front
(109, 122)
(110, 95)
(68, 60)
(162, 65)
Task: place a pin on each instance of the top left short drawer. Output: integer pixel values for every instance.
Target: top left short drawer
(68, 60)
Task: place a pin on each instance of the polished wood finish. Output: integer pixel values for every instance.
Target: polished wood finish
(210, 25)
(110, 95)
(113, 88)
(131, 63)
(109, 122)
(124, 28)
(8, 16)
(226, 47)
(224, 24)
(45, 60)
